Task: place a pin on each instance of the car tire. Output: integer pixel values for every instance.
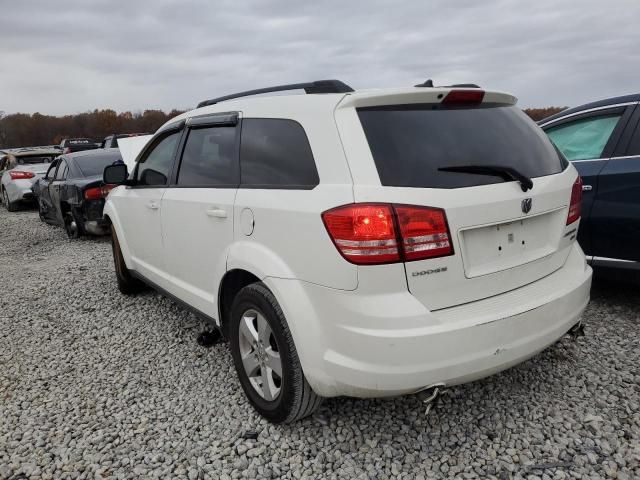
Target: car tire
(287, 397)
(127, 283)
(41, 213)
(10, 206)
(72, 227)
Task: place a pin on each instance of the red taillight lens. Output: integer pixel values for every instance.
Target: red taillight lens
(424, 232)
(363, 233)
(96, 193)
(575, 205)
(368, 234)
(19, 175)
(463, 97)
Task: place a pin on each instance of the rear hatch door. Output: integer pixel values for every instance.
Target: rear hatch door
(501, 236)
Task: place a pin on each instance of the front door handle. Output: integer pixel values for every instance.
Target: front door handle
(217, 212)
(587, 188)
(152, 205)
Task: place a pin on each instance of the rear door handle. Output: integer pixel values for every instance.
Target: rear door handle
(587, 188)
(152, 205)
(217, 212)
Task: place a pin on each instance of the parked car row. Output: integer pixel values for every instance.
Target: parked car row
(371, 243)
(64, 181)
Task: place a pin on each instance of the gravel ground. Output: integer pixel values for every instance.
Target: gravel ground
(94, 384)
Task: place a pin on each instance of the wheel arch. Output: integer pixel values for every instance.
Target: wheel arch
(110, 215)
(232, 282)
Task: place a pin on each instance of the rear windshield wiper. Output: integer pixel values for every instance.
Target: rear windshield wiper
(506, 173)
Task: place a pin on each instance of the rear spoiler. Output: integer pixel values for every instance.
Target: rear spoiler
(405, 96)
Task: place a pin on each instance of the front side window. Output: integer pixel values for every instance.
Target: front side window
(584, 138)
(276, 153)
(155, 166)
(209, 158)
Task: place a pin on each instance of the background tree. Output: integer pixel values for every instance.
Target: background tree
(24, 130)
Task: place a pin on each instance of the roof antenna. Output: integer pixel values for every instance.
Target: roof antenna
(428, 83)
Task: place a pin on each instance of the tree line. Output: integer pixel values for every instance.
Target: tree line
(24, 130)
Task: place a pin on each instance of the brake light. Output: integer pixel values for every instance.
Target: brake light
(373, 234)
(575, 205)
(463, 97)
(96, 193)
(20, 175)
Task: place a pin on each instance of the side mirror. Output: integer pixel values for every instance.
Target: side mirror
(115, 174)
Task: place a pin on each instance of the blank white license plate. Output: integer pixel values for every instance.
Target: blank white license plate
(493, 248)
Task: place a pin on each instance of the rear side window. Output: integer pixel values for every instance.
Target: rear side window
(209, 158)
(585, 138)
(275, 153)
(93, 165)
(410, 143)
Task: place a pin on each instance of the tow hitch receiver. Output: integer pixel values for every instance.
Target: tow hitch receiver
(431, 396)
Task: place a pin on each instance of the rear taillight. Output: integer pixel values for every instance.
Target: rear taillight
(363, 233)
(463, 97)
(19, 175)
(575, 205)
(424, 232)
(371, 234)
(96, 193)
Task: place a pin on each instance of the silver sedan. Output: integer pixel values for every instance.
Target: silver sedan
(19, 170)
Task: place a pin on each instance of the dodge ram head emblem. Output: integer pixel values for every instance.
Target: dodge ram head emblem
(526, 205)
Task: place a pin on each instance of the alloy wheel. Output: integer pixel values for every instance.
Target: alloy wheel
(260, 355)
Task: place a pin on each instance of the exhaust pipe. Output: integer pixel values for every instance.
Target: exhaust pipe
(431, 395)
(576, 331)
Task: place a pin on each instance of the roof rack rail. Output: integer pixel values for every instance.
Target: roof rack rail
(319, 86)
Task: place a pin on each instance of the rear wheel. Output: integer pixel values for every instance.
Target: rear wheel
(266, 359)
(127, 284)
(10, 206)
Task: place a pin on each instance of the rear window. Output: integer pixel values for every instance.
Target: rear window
(275, 153)
(409, 143)
(32, 160)
(91, 166)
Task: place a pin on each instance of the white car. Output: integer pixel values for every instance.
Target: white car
(20, 168)
(368, 244)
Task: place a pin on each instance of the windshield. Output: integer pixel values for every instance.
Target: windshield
(410, 143)
(91, 166)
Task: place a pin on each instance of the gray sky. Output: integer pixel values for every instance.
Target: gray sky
(68, 56)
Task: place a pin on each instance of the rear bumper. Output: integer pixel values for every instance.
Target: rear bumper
(400, 347)
(20, 190)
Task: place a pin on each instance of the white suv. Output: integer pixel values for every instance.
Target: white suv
(368, 244)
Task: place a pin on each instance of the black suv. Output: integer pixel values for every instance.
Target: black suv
(602, 140)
